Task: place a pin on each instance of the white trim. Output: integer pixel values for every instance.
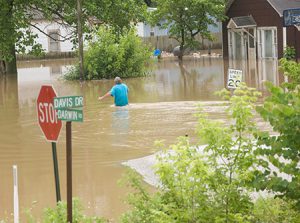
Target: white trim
(284, 37)
(297, 27)
(229, 24)
(274, 8)
(261, 41)
(235, 26)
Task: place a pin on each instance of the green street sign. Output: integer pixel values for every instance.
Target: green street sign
(68, 102)
(70, 115)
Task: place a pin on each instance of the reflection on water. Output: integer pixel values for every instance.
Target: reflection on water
(120, 125)
(255, 72)
(161, 108)
(120, 120)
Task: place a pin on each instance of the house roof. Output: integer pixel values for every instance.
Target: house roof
(241, 22)
(278, 5)
(281, 5)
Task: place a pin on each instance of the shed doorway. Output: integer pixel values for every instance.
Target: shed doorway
(267, 42)
(242, 38)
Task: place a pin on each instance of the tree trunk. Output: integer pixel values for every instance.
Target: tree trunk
(2, 67)
(11, 66)
(181, 48)
(80, 39)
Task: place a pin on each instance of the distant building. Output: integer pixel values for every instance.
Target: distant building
(146, 30)
(255, 29)
(54, 36)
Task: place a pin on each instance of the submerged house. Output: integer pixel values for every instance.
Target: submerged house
(254, 29)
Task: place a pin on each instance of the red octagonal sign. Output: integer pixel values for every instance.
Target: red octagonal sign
(47, 116)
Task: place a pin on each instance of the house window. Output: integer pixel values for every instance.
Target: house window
(54, 44)
(151, 31)
(267, 42)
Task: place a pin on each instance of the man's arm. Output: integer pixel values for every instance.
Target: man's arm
(104, 96)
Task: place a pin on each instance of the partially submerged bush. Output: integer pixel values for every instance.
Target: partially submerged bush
(110, 55)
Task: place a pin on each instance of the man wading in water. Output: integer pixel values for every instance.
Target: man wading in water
(119, 91)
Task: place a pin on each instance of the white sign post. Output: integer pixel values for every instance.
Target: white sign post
(16, 194)
(234, 78)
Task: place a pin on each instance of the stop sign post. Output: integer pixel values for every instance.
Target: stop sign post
(50, 126)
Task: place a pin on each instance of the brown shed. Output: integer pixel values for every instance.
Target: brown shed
(254, 28)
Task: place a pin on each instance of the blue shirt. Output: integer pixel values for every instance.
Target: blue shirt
(120, 93)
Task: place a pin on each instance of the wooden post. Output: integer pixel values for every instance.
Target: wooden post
(69, 170)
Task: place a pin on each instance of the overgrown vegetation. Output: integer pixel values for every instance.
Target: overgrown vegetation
(275, 210)
(214, 183)
(58, 214)
(111, 55)
(289, 53)
(282, 110)
(204, 184)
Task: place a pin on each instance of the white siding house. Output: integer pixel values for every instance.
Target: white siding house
(56, 31)
(47, 29)
(146, 30)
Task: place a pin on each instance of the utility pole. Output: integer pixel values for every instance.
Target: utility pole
(80, 39)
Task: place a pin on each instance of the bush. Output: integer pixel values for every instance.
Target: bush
(207, 183)
(110, 55)
(289, 53)
(282, 110)
(58, 214)
(274, 210)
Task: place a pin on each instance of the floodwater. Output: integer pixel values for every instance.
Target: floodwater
(161, 108)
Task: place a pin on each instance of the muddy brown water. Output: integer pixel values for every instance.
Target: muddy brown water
(161, 108)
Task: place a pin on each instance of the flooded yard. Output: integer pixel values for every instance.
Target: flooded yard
(161, 108)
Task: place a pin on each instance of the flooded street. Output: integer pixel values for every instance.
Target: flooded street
(161, 108)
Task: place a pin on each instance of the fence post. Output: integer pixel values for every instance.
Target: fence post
(16, 194)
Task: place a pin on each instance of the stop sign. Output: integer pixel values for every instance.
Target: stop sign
(47, 117)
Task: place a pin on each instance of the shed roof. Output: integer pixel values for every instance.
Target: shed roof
(281, 5)
(241, 22)
(278, 5)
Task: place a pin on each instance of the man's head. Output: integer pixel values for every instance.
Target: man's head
(118, 80)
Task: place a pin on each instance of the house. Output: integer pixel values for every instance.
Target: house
(158, 37)
(254, 29)
(54, 36)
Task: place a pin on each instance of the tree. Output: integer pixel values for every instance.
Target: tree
(188, 18)
(16, 21)
(282, 110)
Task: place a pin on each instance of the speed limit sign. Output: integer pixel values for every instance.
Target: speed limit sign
(234, 78)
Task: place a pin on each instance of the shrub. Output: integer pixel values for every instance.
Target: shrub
(110, 55)
(289, 53)
(274, 210)
(204, 184)
(58, 214)
(282, 110)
